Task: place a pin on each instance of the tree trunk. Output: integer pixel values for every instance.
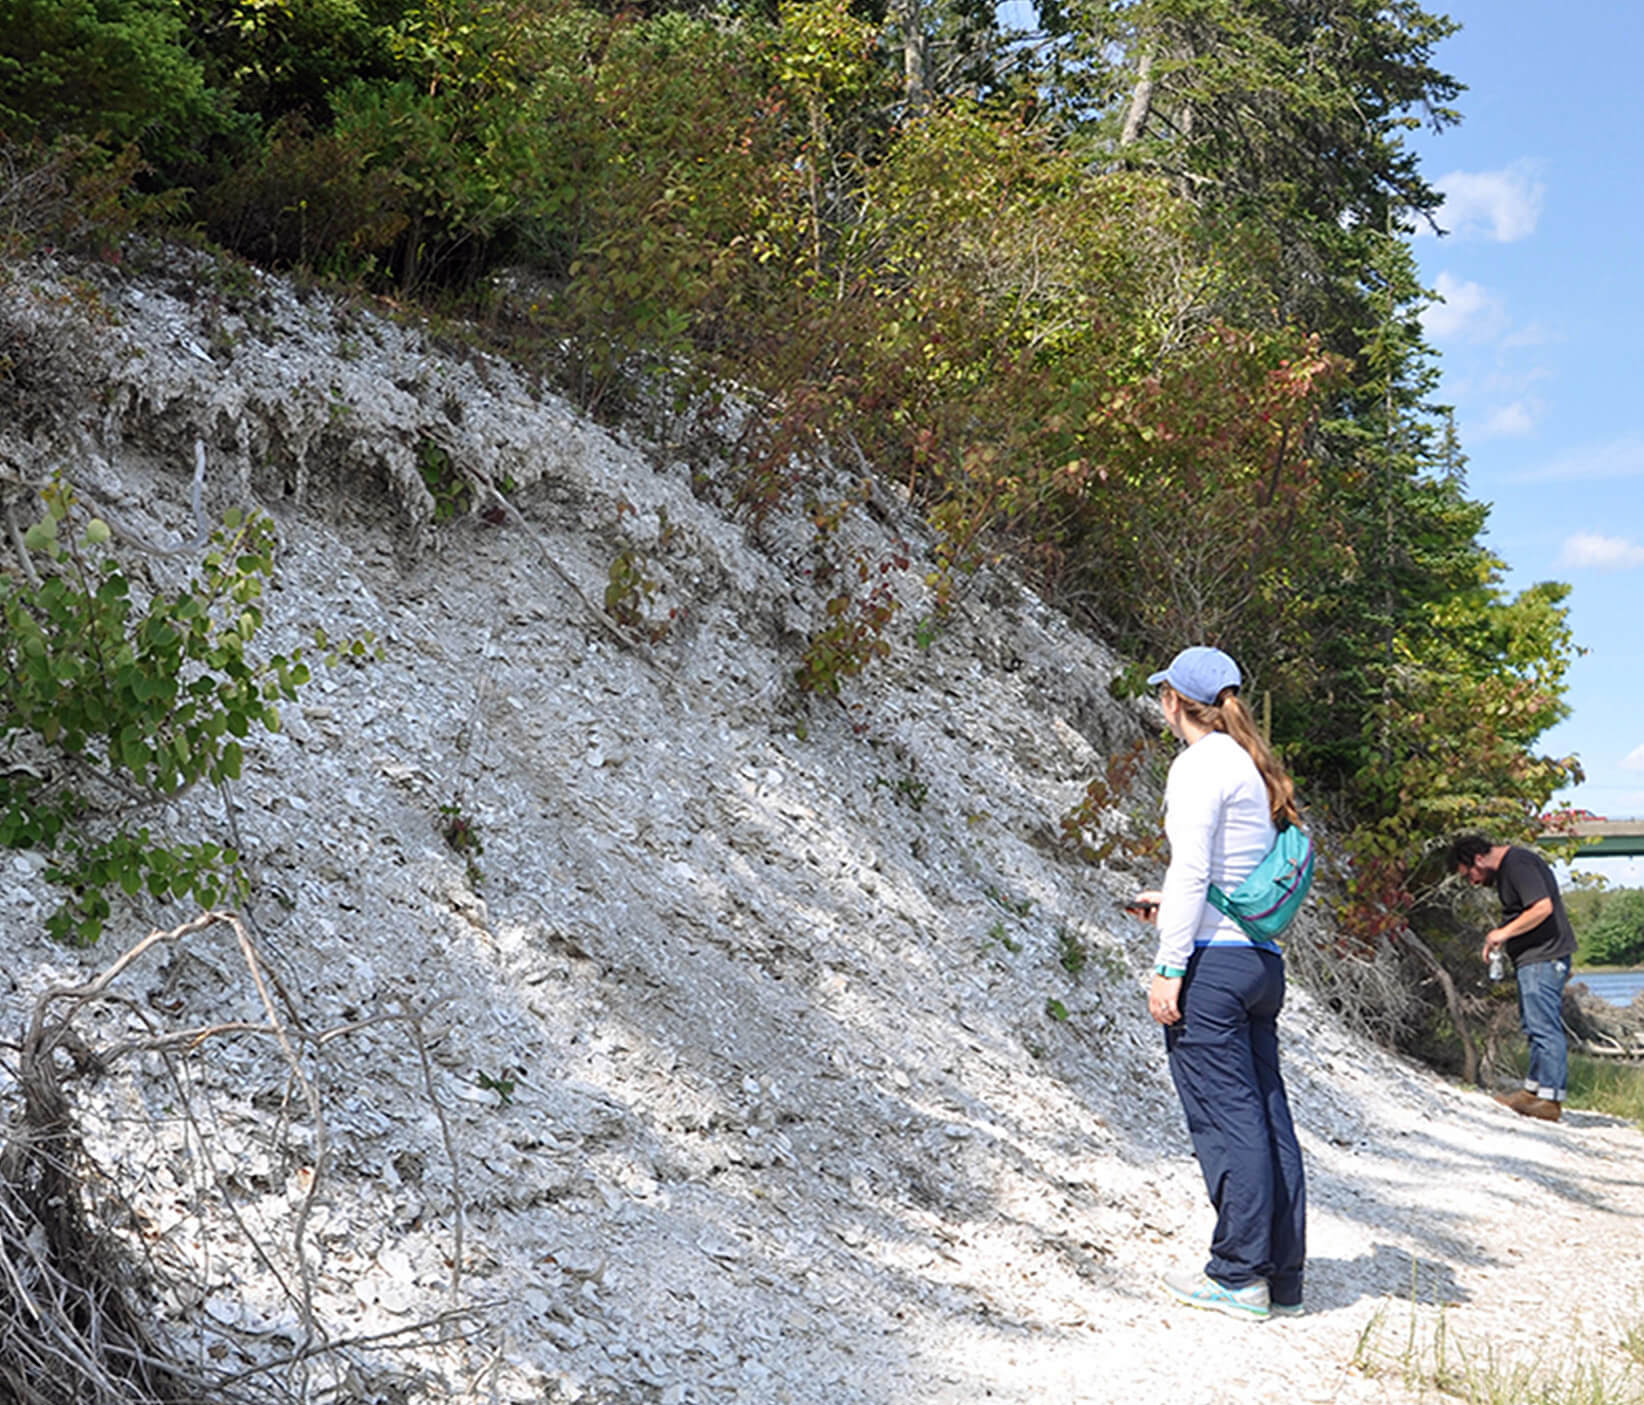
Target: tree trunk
(1452, 998)
(1141, 101)
(913, 53)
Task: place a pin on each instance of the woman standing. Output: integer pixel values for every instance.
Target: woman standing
(1218, 993)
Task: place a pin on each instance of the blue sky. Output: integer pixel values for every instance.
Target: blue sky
(1539, 334)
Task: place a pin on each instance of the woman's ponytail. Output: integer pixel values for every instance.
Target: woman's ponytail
(1228, 714)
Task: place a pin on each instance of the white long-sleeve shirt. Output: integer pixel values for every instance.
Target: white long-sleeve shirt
(1219, 827)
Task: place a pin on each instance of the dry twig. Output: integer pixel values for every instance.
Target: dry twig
(75, 1326)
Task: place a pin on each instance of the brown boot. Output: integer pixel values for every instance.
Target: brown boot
(1545, 1108)
(1519, 1099)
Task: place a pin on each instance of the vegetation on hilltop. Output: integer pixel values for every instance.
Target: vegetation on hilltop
(1128, 300)
(1609, 925)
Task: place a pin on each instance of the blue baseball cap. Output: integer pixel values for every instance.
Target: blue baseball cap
(1200, 673)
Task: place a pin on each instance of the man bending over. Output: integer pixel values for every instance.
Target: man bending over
(1539, 941)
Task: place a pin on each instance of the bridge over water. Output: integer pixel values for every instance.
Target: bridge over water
(1603, 839)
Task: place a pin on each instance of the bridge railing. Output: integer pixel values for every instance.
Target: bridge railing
(1602, 838)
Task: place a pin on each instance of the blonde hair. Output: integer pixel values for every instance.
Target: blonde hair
(1228, 714)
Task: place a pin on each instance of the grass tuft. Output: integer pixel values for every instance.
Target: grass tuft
(1611, 1086)
(1429, 1360)
(1447, 1368)
(1608, 1085)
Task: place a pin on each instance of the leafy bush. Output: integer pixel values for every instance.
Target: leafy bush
(1614, 935)
(488, 131)
(286, 59)
(114, 69)
(678, 224)
(461, 833)
(75, 195)
(309, 199)
(126, 705)
(1110, 821)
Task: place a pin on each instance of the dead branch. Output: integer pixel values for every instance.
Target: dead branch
(1452, 1000)
(128, 533)
(605, 622)
(457, 1218)
(19, 549)
(442, 1320)
(75, 1326)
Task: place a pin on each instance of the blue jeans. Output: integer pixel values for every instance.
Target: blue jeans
(1541, 1012)
(1224, 1058)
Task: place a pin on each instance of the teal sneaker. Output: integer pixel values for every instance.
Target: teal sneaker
(1286, 1310)
(1199, 1290)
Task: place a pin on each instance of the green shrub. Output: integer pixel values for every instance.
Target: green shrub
(461, 833)
(287, 59)
(676, 222)
(114, 69)
(489, 131)
(445, 483)
(307, 199)
(129, 704)
(1614, 935)
(75, 195)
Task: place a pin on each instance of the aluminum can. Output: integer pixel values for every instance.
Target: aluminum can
(1498, 965)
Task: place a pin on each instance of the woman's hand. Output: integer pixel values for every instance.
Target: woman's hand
(1163, 999)
(1145, 905)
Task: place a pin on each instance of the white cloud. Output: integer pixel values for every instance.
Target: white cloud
(1618, 458)
(1634, 759)
(1533, 335)
(1601, 553)
(1467, 311)
(1518, 383)
(1512, 421)
(1501, 205)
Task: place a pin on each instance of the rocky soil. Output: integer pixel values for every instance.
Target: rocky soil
(763, 1050)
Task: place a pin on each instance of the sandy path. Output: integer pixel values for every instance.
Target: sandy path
(1445, 1223)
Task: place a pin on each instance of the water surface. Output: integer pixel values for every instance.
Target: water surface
(1617, 987)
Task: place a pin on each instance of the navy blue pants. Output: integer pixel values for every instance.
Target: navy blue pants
(1224, 1058)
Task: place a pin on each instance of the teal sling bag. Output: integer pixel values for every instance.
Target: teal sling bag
(1269, 899)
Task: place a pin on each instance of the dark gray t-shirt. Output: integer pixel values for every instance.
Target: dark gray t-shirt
(1523, 880)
